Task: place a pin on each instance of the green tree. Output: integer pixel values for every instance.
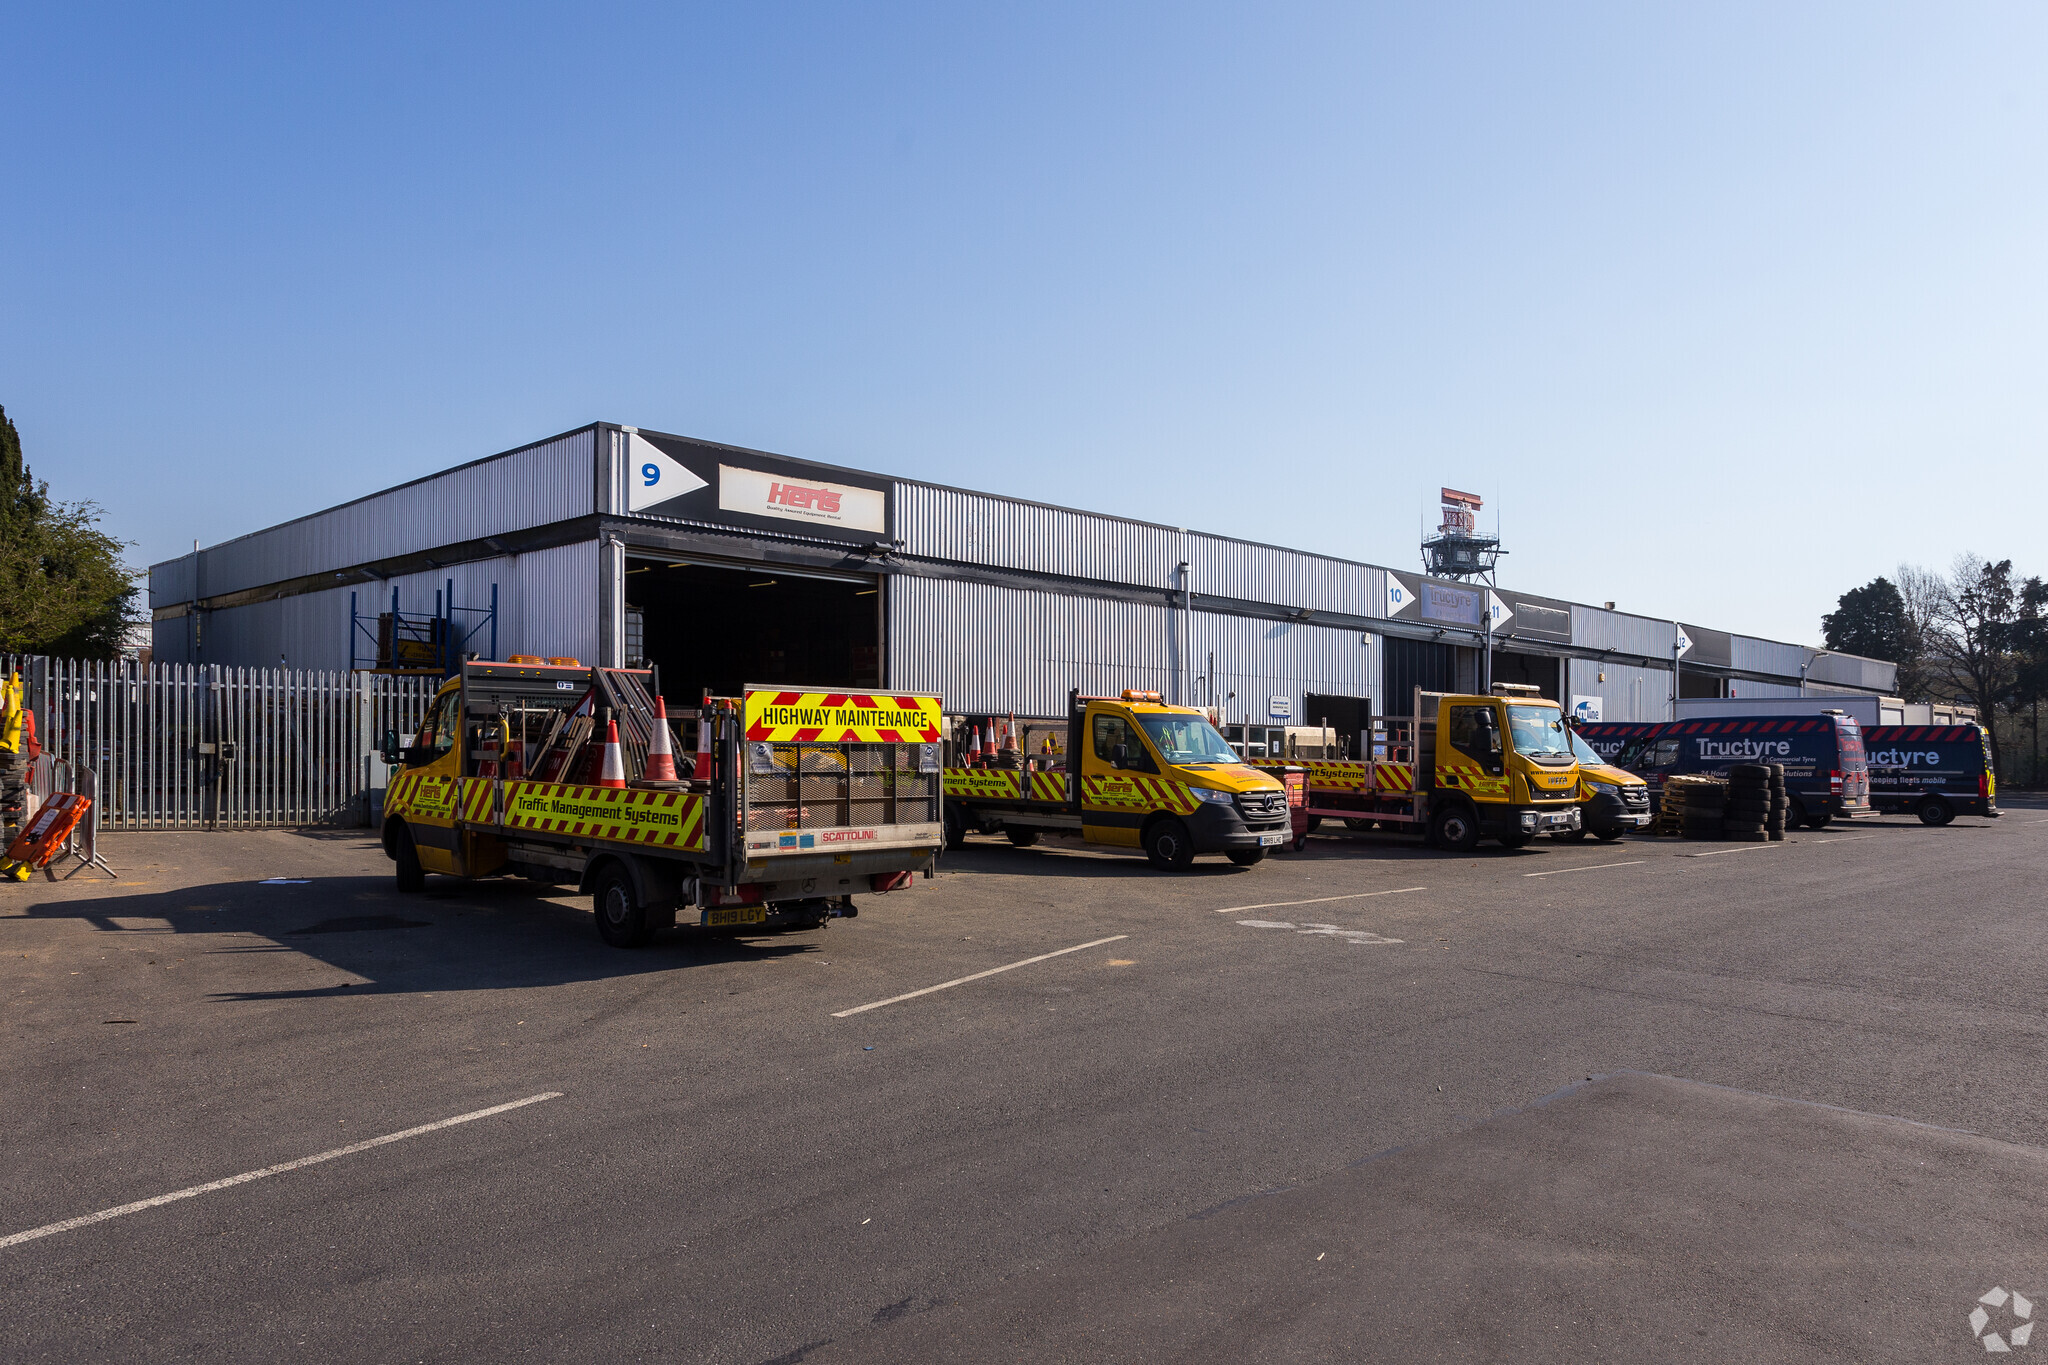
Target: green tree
(1976, 637)
(63, 588)
(1873, 621)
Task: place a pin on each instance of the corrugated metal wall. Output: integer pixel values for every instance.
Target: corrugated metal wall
(1847, 671)
(1747, 654)
(547, 605)
(1630, 693)
(987, 648)
(1259, 660)
(546, 483)
(1743, 687)
(974, 528)
(1642, 636)
(1288, 578)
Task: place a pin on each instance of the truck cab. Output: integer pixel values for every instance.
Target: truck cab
(1503, 762)
(1134, 773)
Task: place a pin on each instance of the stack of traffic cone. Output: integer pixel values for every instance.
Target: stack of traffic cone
(1010, 734)
(661, 759)
(613, 774)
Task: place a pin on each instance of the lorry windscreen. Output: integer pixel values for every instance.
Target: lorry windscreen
(1539, 730)
(1187, 739)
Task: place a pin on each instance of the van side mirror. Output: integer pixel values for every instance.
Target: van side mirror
(391, 753)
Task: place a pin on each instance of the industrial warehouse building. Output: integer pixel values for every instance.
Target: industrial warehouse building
(722, 567)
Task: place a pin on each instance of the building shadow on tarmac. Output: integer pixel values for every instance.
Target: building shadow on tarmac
(456, 936)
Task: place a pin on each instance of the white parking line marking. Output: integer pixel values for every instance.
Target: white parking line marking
(963, 980)
(1318, 900)
(1330, 930)
(1746, 848)
(1850, 839)
(1594, 868)
(86, 1220)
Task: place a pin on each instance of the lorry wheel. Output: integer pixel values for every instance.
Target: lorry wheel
(1937, 812)
(1315, 822)
(621, 918)
(1515, 840)
(1569, 836)
(956, 827)
(1168, 846)
(1247, 857)
(411, 876)
(1817, 821)
(1022, 838)
(1359, 825)
(1454, 829)
(1607, 836)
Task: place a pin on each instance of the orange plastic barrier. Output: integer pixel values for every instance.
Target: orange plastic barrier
(47, 832)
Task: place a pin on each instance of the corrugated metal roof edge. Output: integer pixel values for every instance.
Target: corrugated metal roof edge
(409, 483)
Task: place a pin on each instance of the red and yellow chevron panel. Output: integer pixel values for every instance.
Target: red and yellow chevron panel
(479, 801)
(1358, 775)
(1005, 784)
(841, 718)
(421, 796)
(665, 819)
(1135, 792)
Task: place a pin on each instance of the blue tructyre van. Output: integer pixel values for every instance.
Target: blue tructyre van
(1934, 771)
(1826, 774)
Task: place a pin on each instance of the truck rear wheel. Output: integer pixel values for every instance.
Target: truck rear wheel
(1022, 838)
(1454, 829)
(411, 876)
(956, 827)
(621, 918)
(1168, 846)
(1937, 812)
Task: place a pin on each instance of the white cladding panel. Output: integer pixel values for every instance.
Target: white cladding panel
(1630, 693)
(975, 528)
(546, 483)
(1260, 660)
(1748, 654)
(1849, 670)
(988, 648)
(1288, 578)
(547, 605)
(1643, 636)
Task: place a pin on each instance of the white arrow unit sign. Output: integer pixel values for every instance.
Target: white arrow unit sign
(652, 477)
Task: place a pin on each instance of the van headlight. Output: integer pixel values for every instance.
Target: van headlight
(1605, 788)
(1212, 795)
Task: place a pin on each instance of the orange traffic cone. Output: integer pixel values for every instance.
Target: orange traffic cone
(661, 759)
(702, 771)
(613, 773)
(1010, 734)
(973, 745)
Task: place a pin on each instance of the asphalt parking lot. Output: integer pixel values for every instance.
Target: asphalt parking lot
(1643, 1100)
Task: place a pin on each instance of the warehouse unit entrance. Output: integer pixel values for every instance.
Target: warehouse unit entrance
(717, 628)
(1539, 671)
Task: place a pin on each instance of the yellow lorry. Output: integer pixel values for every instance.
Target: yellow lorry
(796, 800)
(1133, 772)
(1456, 769)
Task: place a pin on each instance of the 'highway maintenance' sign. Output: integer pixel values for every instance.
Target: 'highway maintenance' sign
(841, 718)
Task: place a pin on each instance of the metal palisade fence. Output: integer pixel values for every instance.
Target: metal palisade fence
(198, 746)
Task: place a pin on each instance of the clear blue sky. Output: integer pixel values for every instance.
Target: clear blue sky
(1725, 307)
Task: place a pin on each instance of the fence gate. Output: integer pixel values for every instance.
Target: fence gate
(196, 746)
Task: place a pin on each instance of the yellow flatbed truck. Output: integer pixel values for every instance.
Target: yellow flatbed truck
(1135, 773)
(798, 799)
(1456, 769)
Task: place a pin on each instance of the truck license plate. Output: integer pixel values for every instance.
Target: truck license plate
(1269, 840)
(738, 914)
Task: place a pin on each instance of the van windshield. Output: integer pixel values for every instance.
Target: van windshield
(1583, 752)
(1187, 739)
(1539, 730)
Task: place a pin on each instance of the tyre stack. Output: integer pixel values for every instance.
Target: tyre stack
(1747, 815)
(1774, 820)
